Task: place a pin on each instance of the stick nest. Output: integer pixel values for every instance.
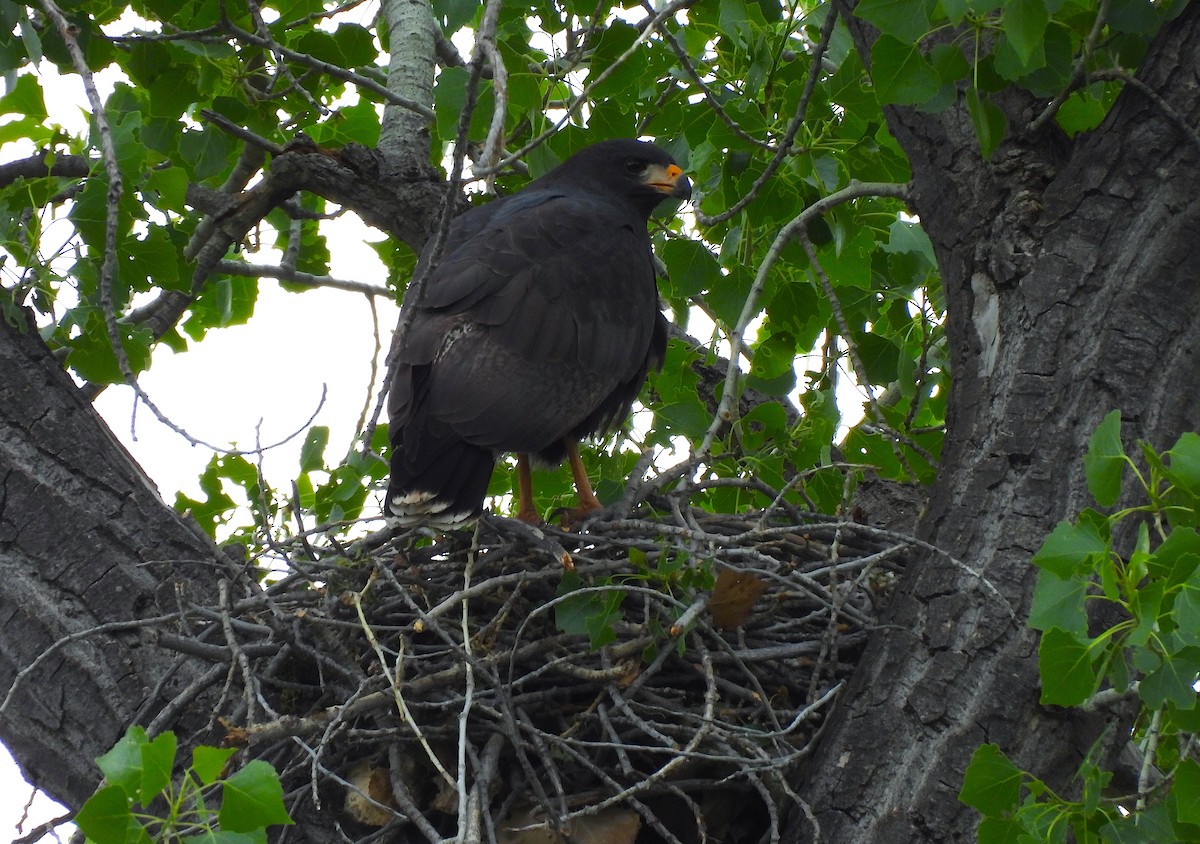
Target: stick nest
(648, 678)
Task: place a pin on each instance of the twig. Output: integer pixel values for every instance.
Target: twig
(794, 228)
(394, 683)
(329, 69)
(464, 713)
(294, 276)
(241, 132)
(43, 829)
(648, 28)
(1149, 751)
(79, 635)
(784, 148)
(1079, 73)
(713, 103)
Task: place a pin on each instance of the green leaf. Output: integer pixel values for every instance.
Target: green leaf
(449, 97)
(1069, 549)
(1149, 826)
(106, 818)
(904, 19)
(30, 38)
(1140, 16)
(455, 14)
(1172, 681)
(220, 836)
(207, 150)
(1176, 559)
(1105, 460)
(24, 97)
(1024, 25)
(1059, 602)
(122, 765)
(909, 236)
(1183, 460)
(1186, 613)
(774, 355)
(593, 613)
(1065, 664)
(91, 354)
(901, 73)
(989, 122)
(1187, 787)
(222, 302)
(158, 758)
(691, 268)
(312, 453)
(253, 799)
(209, 762)
(1145, 606)
(357, 44)
(1082, 111)
(1000, 831)
(992, 783)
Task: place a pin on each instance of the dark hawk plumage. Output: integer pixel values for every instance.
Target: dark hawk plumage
(536, 329)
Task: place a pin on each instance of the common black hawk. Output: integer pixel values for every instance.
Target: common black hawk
(536, 329)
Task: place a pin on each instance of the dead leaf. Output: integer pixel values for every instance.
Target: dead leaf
(369, 781)
(732, 598)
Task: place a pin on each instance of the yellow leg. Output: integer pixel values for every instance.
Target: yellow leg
(525, 509)
(588, 503)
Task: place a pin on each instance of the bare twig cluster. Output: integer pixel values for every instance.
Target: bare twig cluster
(658, 671)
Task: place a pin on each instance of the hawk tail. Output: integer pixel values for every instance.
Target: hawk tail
(443, 488)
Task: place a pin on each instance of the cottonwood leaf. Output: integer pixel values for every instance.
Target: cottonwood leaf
(253, 798)
(1184, 462)
(1024, 25)
(122, 765)
(1059, 602)
(1187, 787)
(312, 453)
(992, 783)
(158, 758)
(903, 19)
(1069, 548)
(1065, 664)
(106, 819)
(209, 762)
(1105, 460)
(901, 73)
(1172, 681)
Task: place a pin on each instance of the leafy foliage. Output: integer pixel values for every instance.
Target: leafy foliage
(594, 609)
(1152, 653)
(142, 801)
(769, 105)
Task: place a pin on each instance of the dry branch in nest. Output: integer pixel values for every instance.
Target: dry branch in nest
(656, 678)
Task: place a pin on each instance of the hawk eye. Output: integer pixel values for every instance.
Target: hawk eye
(634, 165)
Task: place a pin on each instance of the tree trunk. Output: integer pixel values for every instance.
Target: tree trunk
(1070, 293)
(85, 540)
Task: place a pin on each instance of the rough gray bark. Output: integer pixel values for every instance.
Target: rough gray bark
(1070, 293)
(85, 540)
